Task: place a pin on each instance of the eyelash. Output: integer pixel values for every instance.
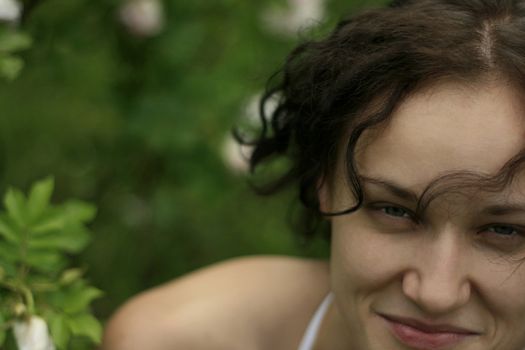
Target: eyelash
(405, 214)
(516, 231)
(384, 207)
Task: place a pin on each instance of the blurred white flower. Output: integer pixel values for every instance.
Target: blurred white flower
(236, 156)
(299, 15)
(10, 10)
(143, 18)
(251, 109)
(33, 335)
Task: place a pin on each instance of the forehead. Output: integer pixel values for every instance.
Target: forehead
(446, 128)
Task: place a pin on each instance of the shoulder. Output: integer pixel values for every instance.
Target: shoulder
(242, 303)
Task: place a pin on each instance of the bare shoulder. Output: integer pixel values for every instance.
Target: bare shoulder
(245, 303)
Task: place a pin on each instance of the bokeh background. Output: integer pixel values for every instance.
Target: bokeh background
(130, 104)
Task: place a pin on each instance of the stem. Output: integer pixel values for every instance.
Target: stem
(30, 301)
(26, 294)
(10, 286)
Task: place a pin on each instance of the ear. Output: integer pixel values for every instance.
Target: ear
(324, 195)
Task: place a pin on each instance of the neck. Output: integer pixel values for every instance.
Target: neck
(333, 334)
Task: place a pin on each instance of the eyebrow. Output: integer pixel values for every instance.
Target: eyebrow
(503, 209)
(392, 187)
(406, 194)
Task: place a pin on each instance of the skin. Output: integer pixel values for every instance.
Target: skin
(458, 264)
(251, 303)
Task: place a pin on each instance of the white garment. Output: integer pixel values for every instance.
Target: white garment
(315, 323)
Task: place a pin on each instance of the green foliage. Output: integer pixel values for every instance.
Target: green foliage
(12, 42)
(35, 239)
(136, 126)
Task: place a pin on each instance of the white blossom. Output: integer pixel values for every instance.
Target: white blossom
(10, 10)
(143, 18)
(236, 156)
(33, 335)
(299, 15)
(251, 109)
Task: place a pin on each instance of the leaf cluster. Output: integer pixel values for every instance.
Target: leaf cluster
(36, 238)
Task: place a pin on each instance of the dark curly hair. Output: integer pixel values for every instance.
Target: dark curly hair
(325, 86)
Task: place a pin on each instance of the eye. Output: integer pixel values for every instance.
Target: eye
(503, 230)
(394, 211)
(507, 238)
(391, 218)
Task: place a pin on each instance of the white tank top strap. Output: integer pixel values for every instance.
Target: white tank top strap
(310, 334)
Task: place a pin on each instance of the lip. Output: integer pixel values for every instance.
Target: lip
(424, 335)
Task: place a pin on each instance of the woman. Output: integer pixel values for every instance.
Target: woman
(406, 132)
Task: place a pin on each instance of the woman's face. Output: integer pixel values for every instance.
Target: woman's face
(452, 279)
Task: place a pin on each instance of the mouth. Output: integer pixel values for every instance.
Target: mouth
(423, 335)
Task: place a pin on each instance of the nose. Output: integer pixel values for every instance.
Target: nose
(436, 280)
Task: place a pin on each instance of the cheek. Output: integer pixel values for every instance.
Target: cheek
(505, 287)
(363, 259)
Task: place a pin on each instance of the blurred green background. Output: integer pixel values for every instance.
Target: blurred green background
(137, 123)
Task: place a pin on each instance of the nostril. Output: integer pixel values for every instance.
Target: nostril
(410, 285)
(435, 294)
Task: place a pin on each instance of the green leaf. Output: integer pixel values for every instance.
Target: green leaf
(86, 325)
(53, 220)
(81, 343)
(71, 240)
(55, 299)
(79, 298)
(11, 41)
(42, 284)
(7, 231)
(45, 260)
(9, 254)
(39, 197)
(80, 211)
(10, 268)
(10, 67)
(15, 204)
(60, 331)
(70, 275)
